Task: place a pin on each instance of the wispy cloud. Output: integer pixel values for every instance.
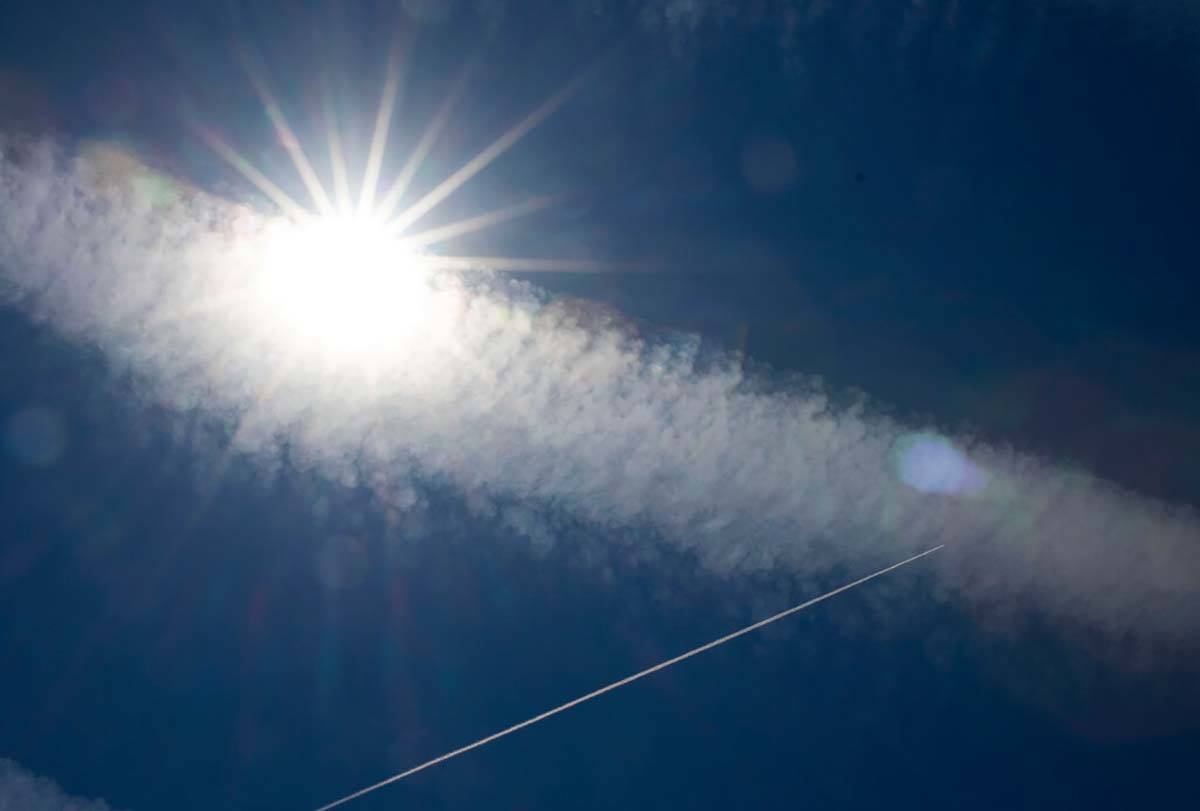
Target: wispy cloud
(513, 398)
(22, 791)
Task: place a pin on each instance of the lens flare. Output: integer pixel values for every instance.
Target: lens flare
(932, 464)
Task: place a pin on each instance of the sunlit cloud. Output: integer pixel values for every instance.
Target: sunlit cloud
(22, 791)
(390, 362)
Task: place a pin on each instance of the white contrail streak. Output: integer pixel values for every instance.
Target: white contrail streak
(627, 680)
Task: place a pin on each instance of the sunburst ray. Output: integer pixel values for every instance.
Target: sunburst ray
(260, 181)
(287, 136)
(472, 167)
(383, 119)
(478, 223)
(337, 157)
(433, 131)
(511, 263)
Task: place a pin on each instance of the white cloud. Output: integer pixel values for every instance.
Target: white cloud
(513, 398)
(22, 791)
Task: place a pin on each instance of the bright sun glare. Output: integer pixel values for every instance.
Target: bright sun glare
(355, 286)
(346, 284)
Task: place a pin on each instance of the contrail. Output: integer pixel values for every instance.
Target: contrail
(627, 680)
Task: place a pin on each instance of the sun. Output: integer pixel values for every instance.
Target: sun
(345, 285)
(345, 276)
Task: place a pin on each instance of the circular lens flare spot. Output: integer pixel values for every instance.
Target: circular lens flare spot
(930, 463)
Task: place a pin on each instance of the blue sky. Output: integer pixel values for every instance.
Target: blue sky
(872, 276)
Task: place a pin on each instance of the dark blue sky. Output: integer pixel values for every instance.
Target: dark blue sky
(979, 213)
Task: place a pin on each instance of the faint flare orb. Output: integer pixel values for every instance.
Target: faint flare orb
(428, 11)
(930, 463)
(345, 286)
(341, 562)
(35, 436)
(769, 165)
